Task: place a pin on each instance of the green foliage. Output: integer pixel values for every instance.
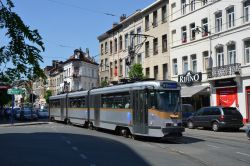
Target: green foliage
(48, 93)
(136, 72)
(104, 83)
(23, 46)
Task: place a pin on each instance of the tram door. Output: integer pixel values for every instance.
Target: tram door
(96, 102)
(140, 112)
(62, 108)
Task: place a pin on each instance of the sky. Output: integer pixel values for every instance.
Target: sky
(66, 25)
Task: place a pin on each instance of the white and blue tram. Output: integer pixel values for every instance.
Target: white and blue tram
(148, 108)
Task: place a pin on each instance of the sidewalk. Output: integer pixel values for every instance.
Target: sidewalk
(7, 123)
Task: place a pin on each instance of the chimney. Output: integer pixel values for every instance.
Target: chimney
(122, 17)
(55, 63)
(114, 24)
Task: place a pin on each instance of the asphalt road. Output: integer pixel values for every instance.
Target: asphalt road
(55, 144)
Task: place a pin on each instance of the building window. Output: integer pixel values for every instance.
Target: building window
(138, 36)
(120, 43)
(115, 45)
(204, 2)
(220, 56)
(246, 10)
(192, 5)
(194, 63)
(126, 41)
(106, 47)
(184, 34)
(139, 60)
(164, 14)
(111, 47)
(218, 22)
(231, 54)
(147, 23)
(184, 64)
(156, 72)
(155, 46)
(147, 49)
(183, 7)
(204, 27)
(164, 43)
(173, 5)
(165, 71)
(102, 49)
(192, 31)
(111, 70)
(147, 72)
(121, 66)
(230, 17)
(102, 65)
(132, 39)
(175, 67)
(247, 51)
(155, 23)
(205, 60)
(106, 64)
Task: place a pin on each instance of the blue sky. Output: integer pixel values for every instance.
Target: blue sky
(69, 24)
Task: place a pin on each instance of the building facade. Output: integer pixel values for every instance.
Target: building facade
(139, 38)
(210, 43)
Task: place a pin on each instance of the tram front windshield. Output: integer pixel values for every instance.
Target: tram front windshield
(167, 101)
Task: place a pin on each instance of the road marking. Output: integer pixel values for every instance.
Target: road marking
(92, 165)
(68, 142)
(243, 154)
(213, 146)
(83, 156)
(74, 148)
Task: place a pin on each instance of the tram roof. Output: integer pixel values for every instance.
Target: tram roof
(132, 86)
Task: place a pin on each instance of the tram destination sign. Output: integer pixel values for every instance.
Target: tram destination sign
(15, 91)
(189, 78)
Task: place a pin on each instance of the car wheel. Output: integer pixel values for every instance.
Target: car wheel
(190, 125)
(215, 126)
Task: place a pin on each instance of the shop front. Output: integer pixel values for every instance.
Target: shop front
(193, 91)
(248, 104)
(226, 93)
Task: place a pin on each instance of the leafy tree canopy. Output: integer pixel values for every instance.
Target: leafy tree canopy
(136, 72)
(47, 95)
(20, 54)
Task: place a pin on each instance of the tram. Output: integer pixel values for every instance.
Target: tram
(147, 108)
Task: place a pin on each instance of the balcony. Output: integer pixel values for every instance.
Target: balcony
(75, 75)
(226, 70)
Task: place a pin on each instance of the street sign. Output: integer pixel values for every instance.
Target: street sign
(15, 91)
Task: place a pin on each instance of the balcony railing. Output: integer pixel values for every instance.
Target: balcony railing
(225, 70)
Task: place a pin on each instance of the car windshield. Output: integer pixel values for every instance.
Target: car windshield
(167, 101)
(43, 110)
(230, 111)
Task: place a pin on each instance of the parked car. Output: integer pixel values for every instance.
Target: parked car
(187, 111)
(216, 118)
(42, 113)
(248, 132)
(27, 114)
(16, 112)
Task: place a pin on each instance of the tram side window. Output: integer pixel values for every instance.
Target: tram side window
(78, 102)
(152, 100)
(116, 100)
(55, 104)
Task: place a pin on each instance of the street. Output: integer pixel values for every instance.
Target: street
(47, 143)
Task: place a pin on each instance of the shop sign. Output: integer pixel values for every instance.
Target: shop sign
(225, 82)
(189, 78)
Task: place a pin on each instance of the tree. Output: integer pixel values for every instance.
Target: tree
(20, 55)
(104, 83)
(135, 72)
(48, 93)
